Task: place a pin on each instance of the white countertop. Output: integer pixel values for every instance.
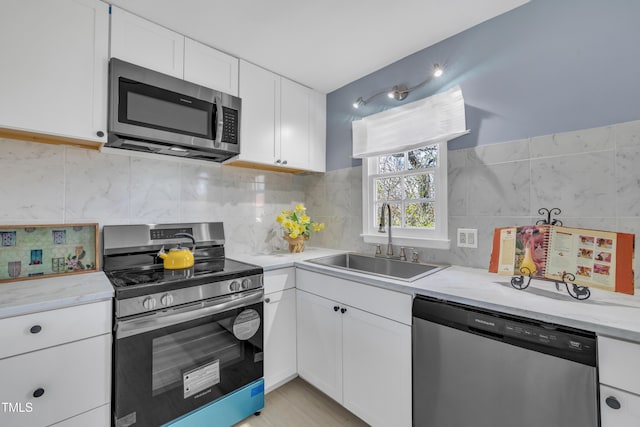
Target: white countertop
(606, 313)
(282, 259)
(31, 296)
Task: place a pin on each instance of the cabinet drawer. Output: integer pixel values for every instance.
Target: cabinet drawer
(279, 280)
(382, 302)
(98, 417)
(618, 364)
(48, 328)
(70, 378)
(628, 413)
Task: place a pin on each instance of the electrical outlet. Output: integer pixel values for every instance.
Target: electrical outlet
(467, 238)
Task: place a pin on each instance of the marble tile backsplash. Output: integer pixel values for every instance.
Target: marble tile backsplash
(592, 175)
(52, 184)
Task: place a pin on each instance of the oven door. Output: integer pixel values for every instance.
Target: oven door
(170, 363)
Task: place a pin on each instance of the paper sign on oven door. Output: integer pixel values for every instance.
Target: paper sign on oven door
(200, 378)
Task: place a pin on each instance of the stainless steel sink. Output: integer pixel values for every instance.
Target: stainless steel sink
(393, 268)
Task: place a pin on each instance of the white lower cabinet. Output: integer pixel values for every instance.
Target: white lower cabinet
(59, 382)
(360, 359)
(55, 367)
(619, 382)
(280, 357)
(618, 408)
(94, 417)
(320, 343)
(376, 368)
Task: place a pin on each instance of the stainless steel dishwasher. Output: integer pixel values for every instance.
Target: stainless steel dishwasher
(473, 367)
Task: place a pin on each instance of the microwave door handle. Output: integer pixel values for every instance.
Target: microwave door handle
(160, 320)
(218, 122)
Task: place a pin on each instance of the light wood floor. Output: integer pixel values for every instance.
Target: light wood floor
(299, 404)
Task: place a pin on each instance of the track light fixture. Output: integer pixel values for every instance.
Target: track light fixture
(399, 92)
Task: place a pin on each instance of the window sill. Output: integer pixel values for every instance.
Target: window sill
(408, 241)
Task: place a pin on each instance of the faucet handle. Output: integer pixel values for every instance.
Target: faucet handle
(414, 256)
(378, 250)
(403, 256)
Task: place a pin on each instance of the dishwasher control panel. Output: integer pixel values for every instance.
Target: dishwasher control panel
(546, 335)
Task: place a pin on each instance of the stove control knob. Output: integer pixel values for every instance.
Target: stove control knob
(166, 299)
(246, 283)
(234, 286)
(149, 303)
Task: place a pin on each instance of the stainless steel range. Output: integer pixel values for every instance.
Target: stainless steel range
(188, 342)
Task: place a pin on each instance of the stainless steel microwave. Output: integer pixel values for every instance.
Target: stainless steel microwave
(156, 113)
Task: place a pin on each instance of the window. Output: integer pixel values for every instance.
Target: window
(414, 184)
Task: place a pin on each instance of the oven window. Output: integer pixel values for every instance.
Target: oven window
(201, 350)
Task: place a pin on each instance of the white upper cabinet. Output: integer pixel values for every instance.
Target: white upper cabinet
(141, 42)
(294, 125)
(260, 94)
(211, 68)
(283, 123)
(144, 43)
(317, 132)
(54, 73)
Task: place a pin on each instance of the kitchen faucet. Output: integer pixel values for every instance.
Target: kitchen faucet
(381, 227)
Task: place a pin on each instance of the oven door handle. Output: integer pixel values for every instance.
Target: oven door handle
(162, 319)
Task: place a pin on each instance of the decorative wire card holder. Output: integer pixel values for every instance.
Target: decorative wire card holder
(575, 291)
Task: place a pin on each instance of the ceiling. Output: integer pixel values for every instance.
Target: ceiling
(323, 44)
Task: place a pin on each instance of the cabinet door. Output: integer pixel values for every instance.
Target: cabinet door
(294, 132)
(628, 412)
(260, 94)
(279, 338)
(317, 132)
(320, 343)
(144, 43)
(60, 382)
(208, 67)
(376, 368)
(54, 78)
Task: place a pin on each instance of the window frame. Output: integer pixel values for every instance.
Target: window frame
(436, 238)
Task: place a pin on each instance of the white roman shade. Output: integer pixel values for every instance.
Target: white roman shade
(427, 121)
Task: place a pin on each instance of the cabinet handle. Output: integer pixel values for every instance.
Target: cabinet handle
(267, 300)
(284, 162)
(35, 329)
(613, 403)
(336, 308)
(343, 310)
(39, 392)
(100, 134)
(278, 161)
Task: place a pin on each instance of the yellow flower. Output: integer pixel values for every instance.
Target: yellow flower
(297, 223)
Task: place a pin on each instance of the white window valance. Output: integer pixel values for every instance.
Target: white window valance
(430, 120)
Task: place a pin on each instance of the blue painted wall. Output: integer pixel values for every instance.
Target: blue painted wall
(546, 67)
